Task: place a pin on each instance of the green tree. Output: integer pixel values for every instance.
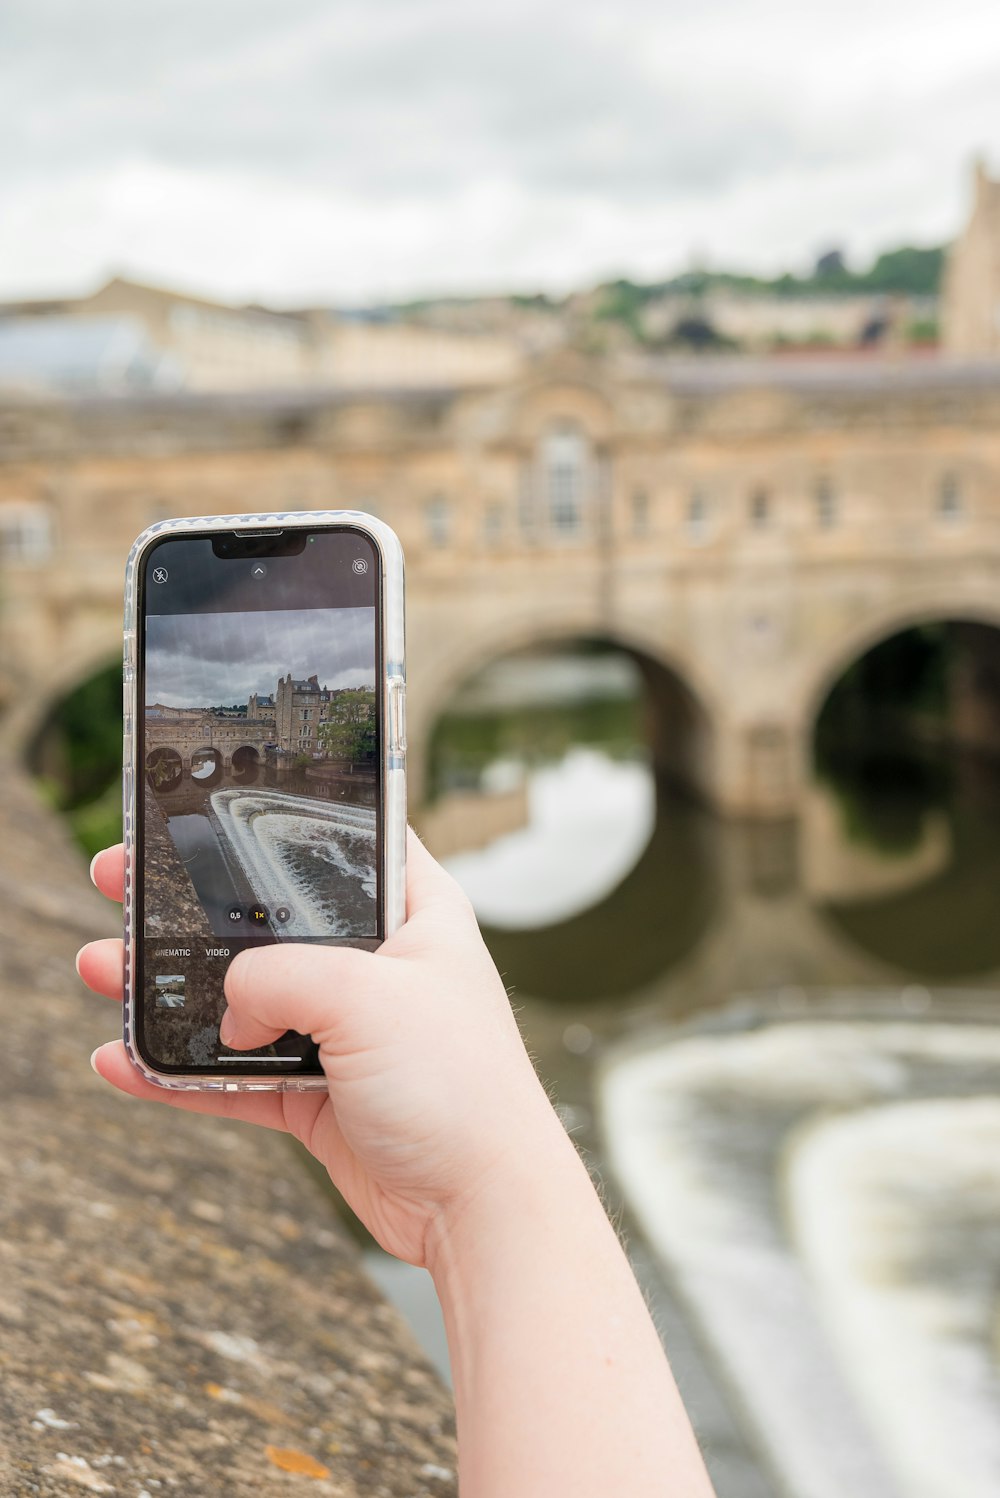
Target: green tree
(348, 734)
(909, 269)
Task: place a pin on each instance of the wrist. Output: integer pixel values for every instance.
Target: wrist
(525, 1184)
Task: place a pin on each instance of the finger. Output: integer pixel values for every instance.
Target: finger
(319, 991)
(428, 885)
(111, 1062)
(101, 966)
(107, 870)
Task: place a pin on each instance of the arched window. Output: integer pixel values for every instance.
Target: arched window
(565, 464)
(25, 532)
(826, 505)
(493, 522)
(696, 516)
(640, 513)
(760, 509)
(950, 507)
(438, 518)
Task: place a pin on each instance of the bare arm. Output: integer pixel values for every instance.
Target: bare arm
(561, 1384)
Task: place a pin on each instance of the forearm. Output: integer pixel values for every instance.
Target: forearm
(561, 1384)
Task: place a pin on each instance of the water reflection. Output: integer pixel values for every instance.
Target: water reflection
(545, 871)
(605, 884)
(642, 930)
(941, 923)
(198, 844)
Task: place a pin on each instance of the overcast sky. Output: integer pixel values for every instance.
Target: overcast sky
(344, 150)
(216, 660)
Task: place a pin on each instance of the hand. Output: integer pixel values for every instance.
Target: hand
(430, 1089)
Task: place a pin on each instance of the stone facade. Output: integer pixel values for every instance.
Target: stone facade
(971, 311)
(261, 708)
(745, 527)
(301, 707)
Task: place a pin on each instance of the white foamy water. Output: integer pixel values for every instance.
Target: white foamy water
(316, 858)
(589, 819)
(826, 1198)
(896, 1212)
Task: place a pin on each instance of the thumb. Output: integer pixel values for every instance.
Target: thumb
(318, 991)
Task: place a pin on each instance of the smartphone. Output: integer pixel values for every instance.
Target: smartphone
(264, 770)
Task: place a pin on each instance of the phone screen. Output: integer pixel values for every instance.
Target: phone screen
(259, 786)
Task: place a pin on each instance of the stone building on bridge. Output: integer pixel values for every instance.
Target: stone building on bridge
(261, 706)
(971, 302)
(236, 744)
(301, 708)
(745, 528)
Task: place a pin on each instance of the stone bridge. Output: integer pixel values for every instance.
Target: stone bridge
(227, 739)
(746, 529)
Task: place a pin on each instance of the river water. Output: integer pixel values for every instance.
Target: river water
(286, 838)
(613, 896)
(757, 1034)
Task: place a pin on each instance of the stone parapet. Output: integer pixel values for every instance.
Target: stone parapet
(180, 1310)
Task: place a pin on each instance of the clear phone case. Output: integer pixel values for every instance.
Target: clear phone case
(393, 749)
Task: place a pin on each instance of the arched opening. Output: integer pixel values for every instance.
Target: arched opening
(76, 755)
(164, 770)
(567, 783)
(902, 832)
(206, 767)
(245, 765)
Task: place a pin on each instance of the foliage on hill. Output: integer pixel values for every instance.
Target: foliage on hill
(909, 270)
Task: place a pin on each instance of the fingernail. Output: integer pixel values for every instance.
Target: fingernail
(93, 1060)
(77, 961)
(92, 862)
(227, 1028)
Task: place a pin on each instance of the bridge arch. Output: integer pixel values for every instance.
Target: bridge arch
(683, 716)
(165, 769)
(207, 765)
(245, 763)
(827, 665)
(35, 699)
(905, 768)
(831, 664)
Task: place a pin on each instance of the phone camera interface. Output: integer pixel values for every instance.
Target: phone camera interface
(260, 759)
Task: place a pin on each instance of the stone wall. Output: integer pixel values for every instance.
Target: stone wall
(179, 1305)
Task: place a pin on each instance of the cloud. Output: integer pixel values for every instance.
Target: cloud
(345, 148)
(215, 660)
